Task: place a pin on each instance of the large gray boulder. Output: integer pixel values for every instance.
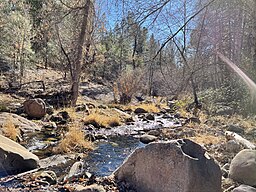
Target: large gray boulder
(174, 166)
(14, 158)
(244, 188)
(243, 167)
(35, 108)
(22, 123)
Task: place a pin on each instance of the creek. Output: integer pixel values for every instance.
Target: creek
(110, 153)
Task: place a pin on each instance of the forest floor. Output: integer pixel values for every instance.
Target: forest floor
(97, 118)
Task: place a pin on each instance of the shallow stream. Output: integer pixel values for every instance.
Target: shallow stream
(110, 154)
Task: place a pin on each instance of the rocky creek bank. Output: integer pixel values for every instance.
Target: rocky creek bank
(175, 153)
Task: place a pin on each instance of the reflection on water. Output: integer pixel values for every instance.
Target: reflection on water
(110, 154)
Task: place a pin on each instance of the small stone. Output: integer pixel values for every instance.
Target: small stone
(75, 171)
(224, 173)
(101, 137)
(82, 107)
(147, 138)
(61, 118)
(154, 133)
(48, 176)
(93, 123)
(177, 115)
(232, 146)
(129, 120)
(102, 106)
(167, 116)
(150, 117)
(64, 115)
(51, 125)
(236, 129)
(139, 110)
(88, 174)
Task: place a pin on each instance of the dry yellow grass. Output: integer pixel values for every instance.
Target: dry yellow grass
(9, 129)
(102, 119)
(5, 98)
(74, 141)
(72, 113)
(206, 139)
(149, 107)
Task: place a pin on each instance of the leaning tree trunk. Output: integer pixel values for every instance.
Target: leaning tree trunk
(79, 53)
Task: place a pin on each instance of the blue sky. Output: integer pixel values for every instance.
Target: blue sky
(171, 16)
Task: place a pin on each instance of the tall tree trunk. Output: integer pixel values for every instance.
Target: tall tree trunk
(79, 53)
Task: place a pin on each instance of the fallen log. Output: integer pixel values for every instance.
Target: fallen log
(239, 139)
(34, 82)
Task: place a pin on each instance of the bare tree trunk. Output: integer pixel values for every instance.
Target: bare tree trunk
(133, 52)
(79, 53)
(22, 59)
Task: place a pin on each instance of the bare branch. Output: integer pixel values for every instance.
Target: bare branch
(173, 35)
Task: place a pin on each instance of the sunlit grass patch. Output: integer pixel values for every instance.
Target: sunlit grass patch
(98, 118)
(74, 141)
(9, 129)
(148, 107)
(205, 139)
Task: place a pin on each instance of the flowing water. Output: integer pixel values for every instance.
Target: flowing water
(110, 154)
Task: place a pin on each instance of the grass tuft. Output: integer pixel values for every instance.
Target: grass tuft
(102, 120)
(74, 140)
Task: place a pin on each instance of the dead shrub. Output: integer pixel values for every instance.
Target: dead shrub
(127, 85)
